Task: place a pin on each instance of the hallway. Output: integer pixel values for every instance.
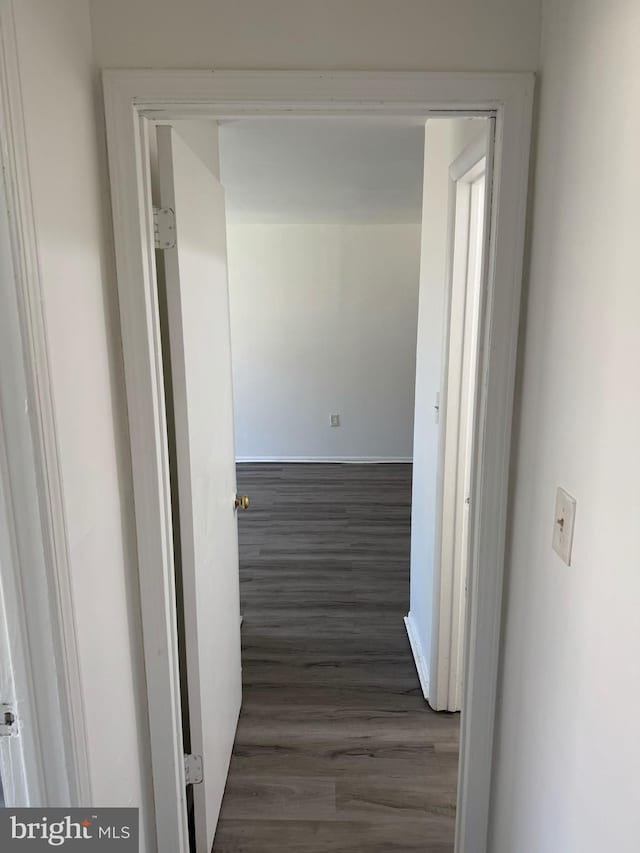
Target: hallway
(336, 749)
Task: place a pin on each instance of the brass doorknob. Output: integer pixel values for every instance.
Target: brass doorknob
(242, 502)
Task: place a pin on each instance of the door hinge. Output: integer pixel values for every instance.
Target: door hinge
(164, 227)
(193, 769)
(9, 725)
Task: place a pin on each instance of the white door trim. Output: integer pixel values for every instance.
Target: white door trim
(133, 95)
(37, 580)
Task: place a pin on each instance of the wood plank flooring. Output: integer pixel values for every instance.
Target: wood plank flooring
(336, 751)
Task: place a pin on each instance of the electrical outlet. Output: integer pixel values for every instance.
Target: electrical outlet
(564, 520)
(334, 420)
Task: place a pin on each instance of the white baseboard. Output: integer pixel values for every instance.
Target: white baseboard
(418, 654)
(347, 460)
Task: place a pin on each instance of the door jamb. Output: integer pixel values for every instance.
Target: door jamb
(132, 97)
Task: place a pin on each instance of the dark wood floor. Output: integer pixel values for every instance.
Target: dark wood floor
(336, 749)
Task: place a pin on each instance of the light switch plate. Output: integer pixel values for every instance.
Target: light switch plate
(334, 420)
(563, 524)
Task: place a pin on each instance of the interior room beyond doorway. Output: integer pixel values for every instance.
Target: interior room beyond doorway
(325, 235)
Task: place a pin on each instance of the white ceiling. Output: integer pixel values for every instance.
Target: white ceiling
(280, 170)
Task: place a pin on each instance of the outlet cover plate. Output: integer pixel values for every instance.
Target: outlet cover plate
(563, 524)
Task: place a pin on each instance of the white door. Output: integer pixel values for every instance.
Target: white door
(469, 174)
(474, 242)
(199, 337)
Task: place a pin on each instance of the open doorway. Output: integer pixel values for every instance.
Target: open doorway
(335, 740)
(324, 241)
(211, 490)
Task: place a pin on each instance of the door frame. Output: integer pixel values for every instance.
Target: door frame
(446, 663)
(132, 99)
(35, 571)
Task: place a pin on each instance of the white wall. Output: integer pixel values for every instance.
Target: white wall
(323, 320)
(568, 758)
(69, 191)
(69, 165)
(351, 34)
(444, 140)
